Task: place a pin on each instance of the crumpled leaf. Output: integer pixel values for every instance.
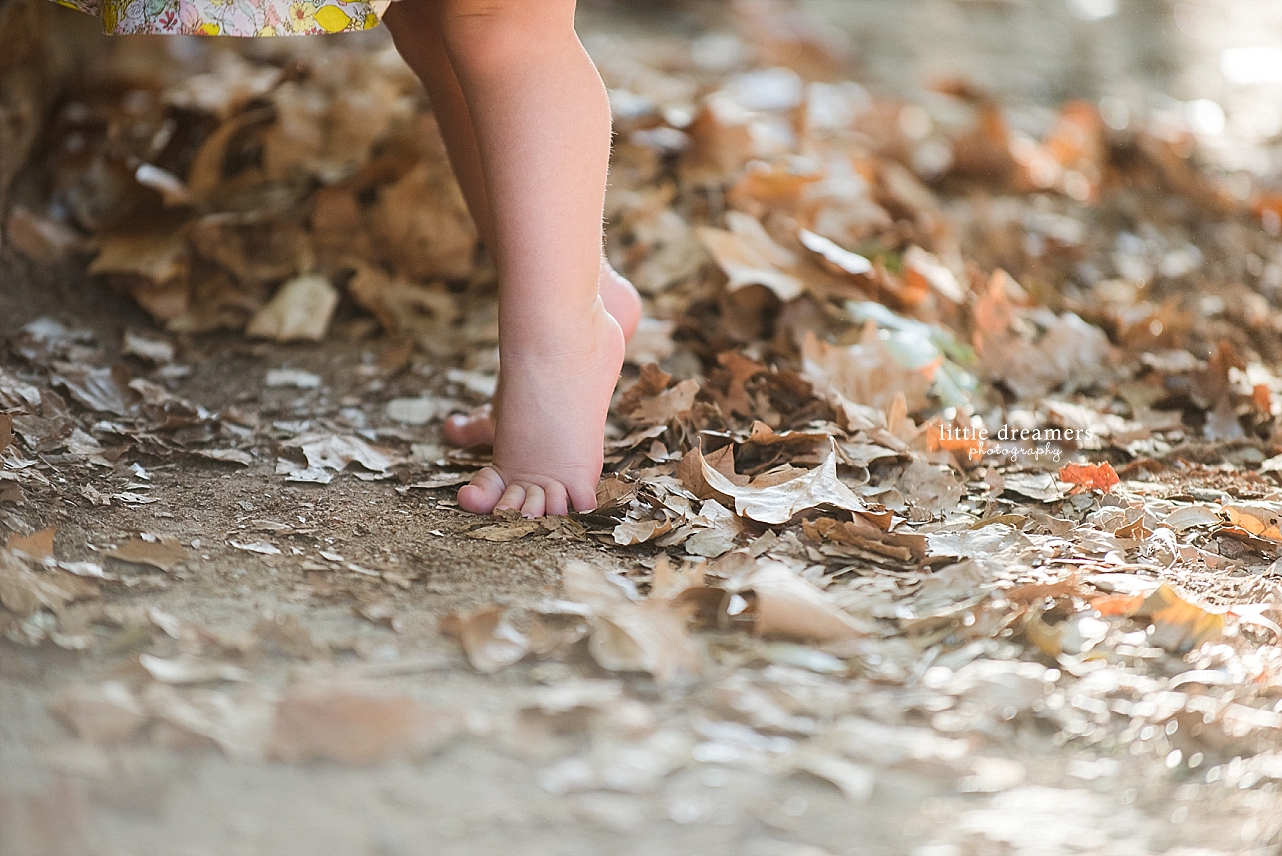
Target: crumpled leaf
(105, 390)
(789, 607)
(163, 553)
(779, 503)
(336, 451)
(1085, 477)
(239, 722)
(301, 309)
(24, 591)
(628, 635)
(489, 640)
(837, 256)
(867, 373)
(749, 256)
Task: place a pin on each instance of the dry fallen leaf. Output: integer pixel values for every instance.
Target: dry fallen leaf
(628, 635)
(300, 310)
(488, 638)
(354, 724)
(1085, 477)
(163, 553)
(24, 591)
(779, 503)
(38, 545)
(188, 670)
(789, 607)
(749, 256)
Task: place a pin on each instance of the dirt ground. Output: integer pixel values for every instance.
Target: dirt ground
(282, 683)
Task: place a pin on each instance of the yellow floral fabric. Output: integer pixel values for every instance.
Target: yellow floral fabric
(232, 17)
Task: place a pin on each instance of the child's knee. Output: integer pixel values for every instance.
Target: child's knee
(487, 33)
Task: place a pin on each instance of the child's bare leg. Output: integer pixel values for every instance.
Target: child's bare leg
(414, 29)
(542, 126)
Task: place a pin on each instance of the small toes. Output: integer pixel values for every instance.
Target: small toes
(535, 504)
(513, 497)
(482, 493)
(557, 502)
(584, 499)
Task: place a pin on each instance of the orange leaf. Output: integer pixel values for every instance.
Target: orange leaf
(1117, 604)
(1086, 477)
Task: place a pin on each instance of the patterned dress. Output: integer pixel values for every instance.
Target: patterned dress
(232, 17)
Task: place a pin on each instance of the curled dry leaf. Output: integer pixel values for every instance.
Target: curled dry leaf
(628, 635)
(749, 256)
(238, 723)
(779, 503)
(1085, 477)
(867, 373)
(336, 451)
(838, 257)
(489, 640)
(24, 591)
(789, 607)
(301, 309)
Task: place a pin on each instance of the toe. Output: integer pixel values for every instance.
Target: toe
(535, 504)
(482, 493)
(583, 497)
(469, 429)
(513, 497)
(557, 502)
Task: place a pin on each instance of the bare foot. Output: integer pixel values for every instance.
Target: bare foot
(621, 301)
(549, 424)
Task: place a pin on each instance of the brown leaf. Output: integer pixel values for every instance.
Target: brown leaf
(160, 257)
(749, 256)
(690, 471)
(789, 607)
(627, 635)
(302, 309)
(354, 725)
(38, 545)
(780, 503)
(23, 591)
(631, 532)
(39, 238)
(163, 553)
(667, 405)
(424, 225)
(6, 430)
(866, 373)
(489, 640)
